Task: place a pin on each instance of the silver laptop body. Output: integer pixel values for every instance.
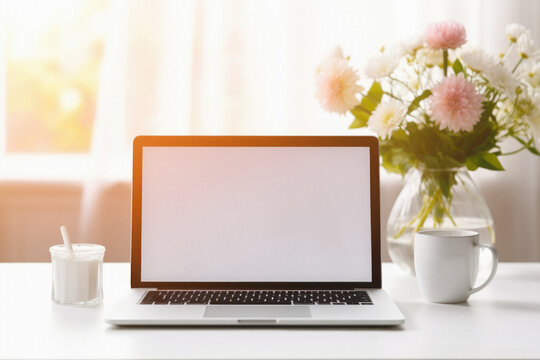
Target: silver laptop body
(255, 230)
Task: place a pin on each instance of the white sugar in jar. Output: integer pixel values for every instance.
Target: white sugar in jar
(77, 277)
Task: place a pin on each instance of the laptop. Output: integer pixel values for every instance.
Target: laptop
(255, 230)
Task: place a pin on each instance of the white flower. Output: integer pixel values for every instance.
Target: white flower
(387, 117)
(497, 75)
(410, 45)
(478, 60)
(534, 125)
(337, 83)
(532, 117)
(525, 45)
(502, 79)
(506, 107)
(530, 73)
(413, 81)
(381, 65)
(528, 109)
(429, 57)
(514, 31)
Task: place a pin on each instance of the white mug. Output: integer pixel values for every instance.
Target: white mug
(446, 264)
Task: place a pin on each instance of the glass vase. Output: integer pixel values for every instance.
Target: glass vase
(435, 199)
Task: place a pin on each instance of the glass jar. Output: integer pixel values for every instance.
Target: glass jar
(77, 276)
(436, 199)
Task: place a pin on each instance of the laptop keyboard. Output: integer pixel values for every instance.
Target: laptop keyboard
(256, 297)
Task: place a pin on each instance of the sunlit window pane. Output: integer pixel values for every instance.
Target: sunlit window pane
(53, 53)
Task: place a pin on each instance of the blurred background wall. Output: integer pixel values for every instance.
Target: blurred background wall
(81, 78)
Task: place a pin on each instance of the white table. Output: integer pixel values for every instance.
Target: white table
(503, 321)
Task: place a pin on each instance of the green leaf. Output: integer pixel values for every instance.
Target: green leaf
(416, 102)
(457, 67)
(444, 180)
(433, 147)
(471, 163)
(482, 138)
(487, 111)
(533, 150)
(359, 122)
(400, 135)
(484, 160)
(396, 160)
(367, 105)
(491, 161)
(395, 153)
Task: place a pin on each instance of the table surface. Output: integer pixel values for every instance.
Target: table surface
(502, 321)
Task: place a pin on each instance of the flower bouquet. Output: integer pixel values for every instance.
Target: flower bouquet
(439, 108)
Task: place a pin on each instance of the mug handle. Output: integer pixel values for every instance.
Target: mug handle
(493, 267)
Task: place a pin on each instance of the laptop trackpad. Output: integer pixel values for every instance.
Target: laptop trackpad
(257, 311)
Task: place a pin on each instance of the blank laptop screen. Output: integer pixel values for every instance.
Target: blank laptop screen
(256, 214)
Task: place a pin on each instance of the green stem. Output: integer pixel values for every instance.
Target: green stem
(525, 146)
(507, 51)
(447, 213)
(492, 234)
(402, 83)
(513, 152)
(428, 210)
(445, 62)
(509, 118)
(392, 95)
(428, 204)
(413, 220)
(517, 64)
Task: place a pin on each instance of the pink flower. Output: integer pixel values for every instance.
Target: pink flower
(337, 84)
(445, 35)
(455, 104)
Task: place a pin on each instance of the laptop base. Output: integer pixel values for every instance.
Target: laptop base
(129, 312)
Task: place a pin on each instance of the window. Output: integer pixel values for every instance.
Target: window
(52, 56)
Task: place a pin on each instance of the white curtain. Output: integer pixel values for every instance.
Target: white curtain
(246, 67)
